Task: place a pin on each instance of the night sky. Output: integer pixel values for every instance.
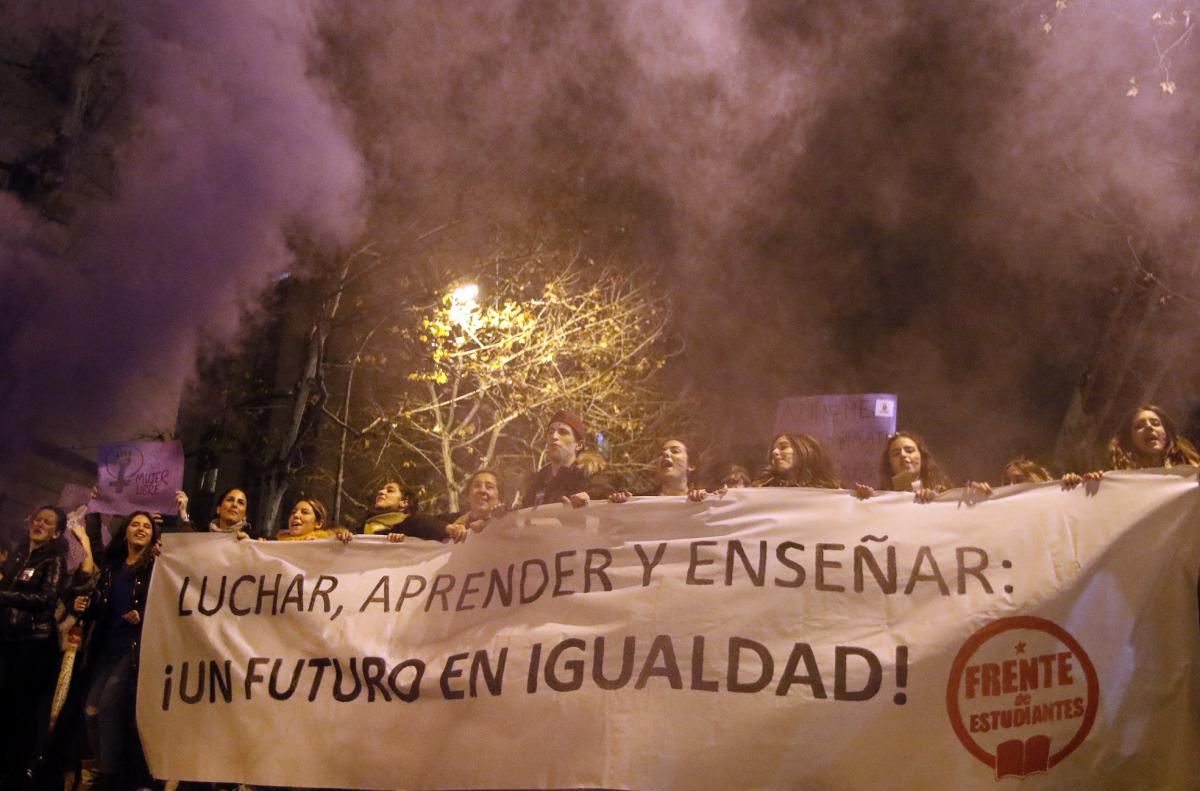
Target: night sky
(924, 197)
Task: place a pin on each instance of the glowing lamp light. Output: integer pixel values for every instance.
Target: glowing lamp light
(463, 307)
(465, 293)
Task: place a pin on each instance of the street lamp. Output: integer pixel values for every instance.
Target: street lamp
(464, 294)
(463, 307)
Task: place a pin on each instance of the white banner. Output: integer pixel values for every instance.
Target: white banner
(770, 638)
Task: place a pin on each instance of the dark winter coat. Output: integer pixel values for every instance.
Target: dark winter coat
(29, 592)
(548, 486)
(98, 606)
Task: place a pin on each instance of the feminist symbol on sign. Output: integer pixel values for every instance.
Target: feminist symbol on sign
(123, 457)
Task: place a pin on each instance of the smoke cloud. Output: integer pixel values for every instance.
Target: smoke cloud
(918, 196)
(898, 195)
(228, 145)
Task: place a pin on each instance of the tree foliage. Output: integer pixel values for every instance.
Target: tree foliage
(466, 379)
(1161, 33)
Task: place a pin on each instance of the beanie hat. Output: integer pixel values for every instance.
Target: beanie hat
(572, 420)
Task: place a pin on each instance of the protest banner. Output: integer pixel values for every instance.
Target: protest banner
(767, 638)
(853, 428)
(138, 476)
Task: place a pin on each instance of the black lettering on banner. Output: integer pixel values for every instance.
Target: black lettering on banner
(560, 573)
(211, 610)
(590, 570)
(573, 666)
(975, 570)
(842, 654)
(414, 689)
(326, 585)
(823, 564)
(264, 593)
(757, 573)
(374, 669)
(481, 667)
(414, 586)
(802, 652)
(540, 565)
(294, 594)
(766, 666)
(467, 590)
(380, 594)
(168, 683)
(694, 562)
(252, 675)
(699, 682)
(500, 587)
(626, 673)
(220, 677)
(648, 564)
(535, 658)
(182, 593)
(319, 665)
(450, 672)
(935, 575)
(213, 676)
(661, 647)
(781, 554)
(864, 556)
(233, 589)
(442, 585)
(355, 691)
(273, 685)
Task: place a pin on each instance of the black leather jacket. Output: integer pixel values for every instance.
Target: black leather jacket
(29, 591)
(99, 604)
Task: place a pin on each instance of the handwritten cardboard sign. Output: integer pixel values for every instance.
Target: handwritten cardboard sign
(138, 476)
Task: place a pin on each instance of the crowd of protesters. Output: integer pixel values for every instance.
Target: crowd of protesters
(71, 603)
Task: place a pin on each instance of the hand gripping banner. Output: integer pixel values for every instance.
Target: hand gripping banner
(767, 638)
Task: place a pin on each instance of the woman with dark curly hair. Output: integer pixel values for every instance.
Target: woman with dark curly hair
(798, 460)
(908, 465)
(114, 612)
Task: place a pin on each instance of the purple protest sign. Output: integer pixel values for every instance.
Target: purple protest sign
(138, 476)
(853, 428)
(74, 495)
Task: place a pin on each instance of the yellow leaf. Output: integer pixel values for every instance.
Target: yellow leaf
(1168, 86)
(1047, 27)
